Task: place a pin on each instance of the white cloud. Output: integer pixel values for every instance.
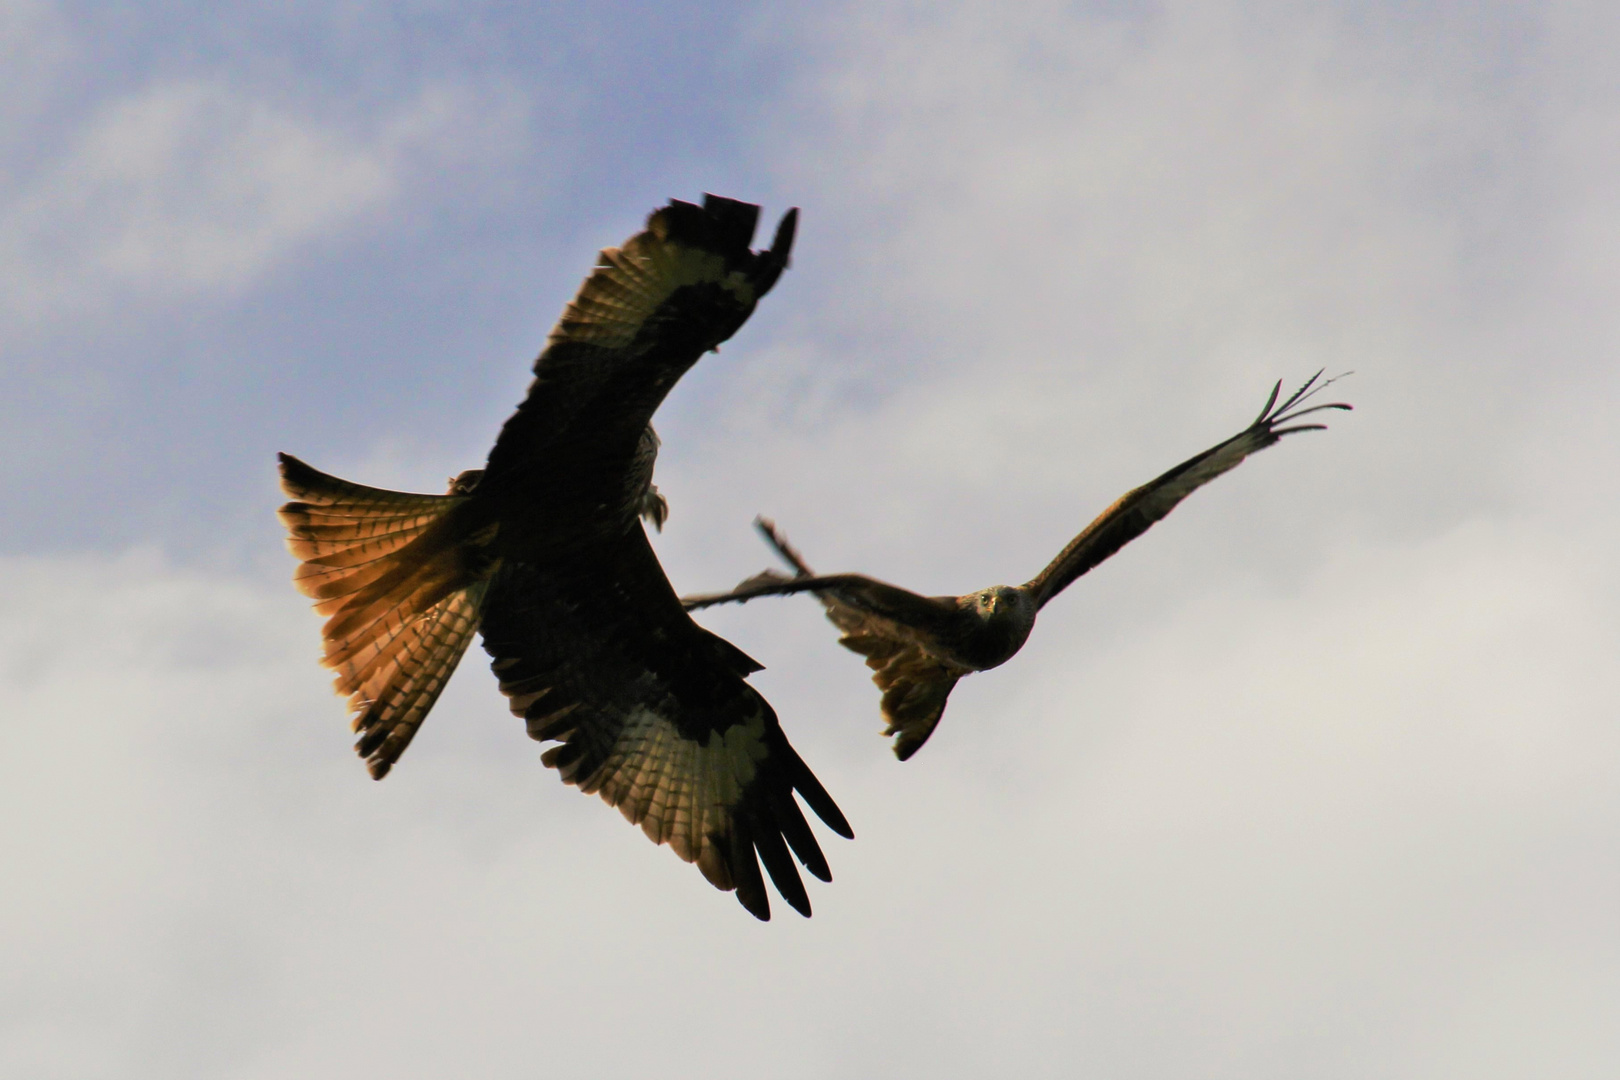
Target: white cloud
(1280, 833)
(1049, 220)
(196, 187)
(1314, 780)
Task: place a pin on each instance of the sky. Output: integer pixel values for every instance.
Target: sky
(1314, 780)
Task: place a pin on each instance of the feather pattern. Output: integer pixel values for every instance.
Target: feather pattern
(542, 552)
(650, 712)
(628, 286)
(649, 309)
(391, 694)
(336, 527)
(402, 613)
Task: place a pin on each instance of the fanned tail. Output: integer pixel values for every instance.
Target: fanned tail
(401, 584)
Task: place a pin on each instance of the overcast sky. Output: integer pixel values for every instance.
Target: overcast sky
(1320, 778)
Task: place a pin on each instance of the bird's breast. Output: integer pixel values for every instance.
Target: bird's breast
(568, 502)
(990, 641)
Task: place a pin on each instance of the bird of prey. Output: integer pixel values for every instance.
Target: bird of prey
(919, 646)
(542, 552)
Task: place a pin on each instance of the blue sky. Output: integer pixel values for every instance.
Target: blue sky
(1314, 780)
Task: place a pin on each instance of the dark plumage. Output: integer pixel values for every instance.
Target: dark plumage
(919, 646)
(542, 552)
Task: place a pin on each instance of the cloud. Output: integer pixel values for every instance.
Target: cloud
(1063, 218)
(1315, 779)
(196, 188)
(1281, 832)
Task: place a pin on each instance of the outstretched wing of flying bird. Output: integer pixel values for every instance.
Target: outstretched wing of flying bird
(920, 646)
(543, 553)
(648, 311)
(652, 712)
(1139, 509)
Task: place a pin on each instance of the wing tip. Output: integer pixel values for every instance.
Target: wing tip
(1293, 408)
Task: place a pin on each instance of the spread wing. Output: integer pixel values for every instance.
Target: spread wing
(652, 712)
(1138, 510)
(884, 623)
(647, 312)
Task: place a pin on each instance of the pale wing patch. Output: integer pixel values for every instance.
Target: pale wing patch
(680, 792)
(628, 285)
(1223, 459)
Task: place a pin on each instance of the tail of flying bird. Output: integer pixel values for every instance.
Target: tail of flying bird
(401, 583)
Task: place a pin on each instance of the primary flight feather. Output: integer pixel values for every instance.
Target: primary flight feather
(543, 553)
(920, 646)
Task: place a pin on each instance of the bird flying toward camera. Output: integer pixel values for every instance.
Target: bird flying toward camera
(920, 646)
(543, 553)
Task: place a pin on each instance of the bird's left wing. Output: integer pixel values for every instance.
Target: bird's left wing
(649, 309)
(653, 713)
(1138, 510)
(882, 622)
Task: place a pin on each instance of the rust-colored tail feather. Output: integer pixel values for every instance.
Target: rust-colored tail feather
(402, 585)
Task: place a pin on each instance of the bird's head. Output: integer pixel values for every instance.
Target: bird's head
(998, 602)
(1004, 617)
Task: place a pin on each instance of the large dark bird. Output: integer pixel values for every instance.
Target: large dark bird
(919, 646)
(543, 553)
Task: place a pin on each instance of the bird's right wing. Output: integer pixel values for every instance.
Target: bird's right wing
(651, 712)
(1138, 510)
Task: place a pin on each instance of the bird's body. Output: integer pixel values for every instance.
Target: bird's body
(920, 646)
(543, 552)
